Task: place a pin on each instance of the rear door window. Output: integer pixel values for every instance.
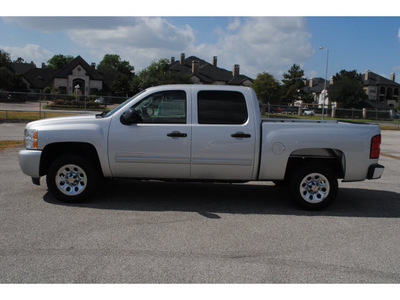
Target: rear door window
(221, 107)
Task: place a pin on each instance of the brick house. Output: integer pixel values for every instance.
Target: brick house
(381, 90)
(77, 73)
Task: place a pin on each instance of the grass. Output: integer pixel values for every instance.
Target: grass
(10, 144)
(26, 115)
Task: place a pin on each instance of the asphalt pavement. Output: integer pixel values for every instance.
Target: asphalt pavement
(156, 232)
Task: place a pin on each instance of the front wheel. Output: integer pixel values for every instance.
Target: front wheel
(313, 186)
(71, 178)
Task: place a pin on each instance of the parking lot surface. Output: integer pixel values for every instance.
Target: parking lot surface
(157, 232)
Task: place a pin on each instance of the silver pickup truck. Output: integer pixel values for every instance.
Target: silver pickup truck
(200, 133)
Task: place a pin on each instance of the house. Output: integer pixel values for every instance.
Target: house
(202, 72)
(380, 90)
(316, 87)
(76, 75)
(382, 93)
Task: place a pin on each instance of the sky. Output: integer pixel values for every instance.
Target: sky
(259, 40)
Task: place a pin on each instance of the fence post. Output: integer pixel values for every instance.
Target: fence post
(333, 114)
(364, 113)
(40, 105)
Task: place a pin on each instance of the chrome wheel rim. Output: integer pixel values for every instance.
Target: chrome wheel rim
(71, 180)
(314, 188)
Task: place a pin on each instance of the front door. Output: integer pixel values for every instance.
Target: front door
(157, 146)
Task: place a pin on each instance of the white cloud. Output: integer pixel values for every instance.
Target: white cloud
(30, 52)
(140, 41)
(260, 44)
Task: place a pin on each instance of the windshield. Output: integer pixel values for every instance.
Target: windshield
(122, 104)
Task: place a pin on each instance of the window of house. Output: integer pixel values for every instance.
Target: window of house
(221, 107)
(167, 107)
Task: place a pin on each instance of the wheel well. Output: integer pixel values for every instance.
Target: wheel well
(52, 151)
(332, 158)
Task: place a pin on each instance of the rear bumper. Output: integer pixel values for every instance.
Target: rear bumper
(375, 171)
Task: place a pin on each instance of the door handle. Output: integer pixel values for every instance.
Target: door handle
(176, 134)
(240, 134)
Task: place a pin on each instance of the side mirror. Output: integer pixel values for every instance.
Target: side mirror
(130, 117)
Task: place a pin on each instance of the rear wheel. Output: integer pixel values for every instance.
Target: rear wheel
(313, 186)
(71, 178)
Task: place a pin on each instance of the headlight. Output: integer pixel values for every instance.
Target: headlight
(31, 138)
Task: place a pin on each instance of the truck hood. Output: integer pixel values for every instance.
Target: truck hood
(70, 120)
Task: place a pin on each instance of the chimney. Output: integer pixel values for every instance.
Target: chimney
(367, 75)
(93, 65)
(195, 67)
(214, 61)
(392, 76)
(236, 69)
(172, 60)
(311, 82)
(331, 81)
(43, 65)
(182, 58)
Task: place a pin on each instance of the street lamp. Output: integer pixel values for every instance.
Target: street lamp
(326, 77)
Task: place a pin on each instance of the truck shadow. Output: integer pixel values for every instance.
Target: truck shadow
(210, 200)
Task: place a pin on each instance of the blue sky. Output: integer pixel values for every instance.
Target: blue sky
(257, 43)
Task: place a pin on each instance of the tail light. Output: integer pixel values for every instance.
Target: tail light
(375, 146)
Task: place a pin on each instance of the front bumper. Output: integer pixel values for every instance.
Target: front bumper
(375, 171)
(29, 161)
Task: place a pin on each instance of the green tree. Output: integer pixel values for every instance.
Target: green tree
(59, 61)
(158, 73)
(5, 60)
(267, 88)
(9, 80)
(120, 70)
(19, 60)
(112, 64)
(347, 89)
(293, 82)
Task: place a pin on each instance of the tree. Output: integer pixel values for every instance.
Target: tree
(347, 89)
(293, 83)
(120, 70)
(267, 88)
(158, 73)
(59, 61)
(9, 80)
(5, 60)
(19, 60)
(112, 64)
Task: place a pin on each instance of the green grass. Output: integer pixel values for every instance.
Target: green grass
(24, 115)
(10, 144)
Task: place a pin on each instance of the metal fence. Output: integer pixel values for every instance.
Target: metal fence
(330, 112)
(18, 97)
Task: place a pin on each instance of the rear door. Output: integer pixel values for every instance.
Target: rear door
(223, 138)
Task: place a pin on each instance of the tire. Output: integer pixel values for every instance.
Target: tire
(71, 178)
(313, 186)
(281, 183)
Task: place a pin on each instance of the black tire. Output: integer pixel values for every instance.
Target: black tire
(313, 186)
(71, 178)
(281, 183)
